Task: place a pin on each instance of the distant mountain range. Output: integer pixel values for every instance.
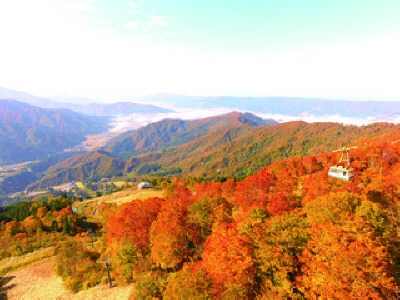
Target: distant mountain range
(115, 109)
(29, 133)
(288, 106)
(26, 98)
(235, 144)
(92, 109)
(291, 106)
(231, 145)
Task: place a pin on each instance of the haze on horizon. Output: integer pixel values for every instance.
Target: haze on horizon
(107, 49)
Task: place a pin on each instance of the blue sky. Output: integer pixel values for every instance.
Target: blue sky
(260, 25)
(108, 49)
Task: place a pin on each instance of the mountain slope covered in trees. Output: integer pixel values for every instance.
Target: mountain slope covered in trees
(288, 231)
(225, 151)
(174, 132)
(119, 159)
(28, 132)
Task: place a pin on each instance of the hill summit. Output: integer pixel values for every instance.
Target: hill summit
(231, 145)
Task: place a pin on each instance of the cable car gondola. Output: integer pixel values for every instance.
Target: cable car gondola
(339, 171)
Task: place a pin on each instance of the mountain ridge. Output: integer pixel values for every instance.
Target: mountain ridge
(92, 108)
(172, 132)
(289, 106)
(229, 152)
(28, 132)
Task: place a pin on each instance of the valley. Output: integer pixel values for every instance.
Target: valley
(121, 150)
(16, 177)
(9, 170)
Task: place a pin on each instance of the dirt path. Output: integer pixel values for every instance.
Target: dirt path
(39, 281)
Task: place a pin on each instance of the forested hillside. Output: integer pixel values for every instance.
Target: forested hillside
(28, 132)
(124, 155)
(208, 148)
(174, 132)
(288, 231)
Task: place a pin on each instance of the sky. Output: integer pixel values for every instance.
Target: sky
(106, 49)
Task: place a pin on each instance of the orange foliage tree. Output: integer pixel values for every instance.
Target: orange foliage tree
(171, 238)
(41, 212)
(252, 192)
(132, 221)
(208, 211)
(128, 236)
(227, 257)
(338, 263)
(277, 242)
(191, 282)
(31, 224)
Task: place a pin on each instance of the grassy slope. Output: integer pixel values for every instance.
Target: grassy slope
(39, 281)
(17, 262)
(89, 207)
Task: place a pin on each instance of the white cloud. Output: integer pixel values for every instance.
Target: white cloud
(56, 47)
(134, 121)
(133, 8)
(313, 119)
(157, 21)
(132, 25)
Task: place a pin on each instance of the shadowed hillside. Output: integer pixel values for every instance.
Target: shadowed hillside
(29, 133)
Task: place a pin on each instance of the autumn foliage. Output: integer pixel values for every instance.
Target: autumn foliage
(345, 263)
(228, 260)
(128, 236)
(132, 222)
(171, 237)
(286, 232)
